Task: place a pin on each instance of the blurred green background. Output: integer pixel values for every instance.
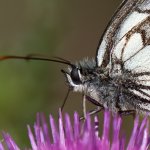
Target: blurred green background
(69, 29)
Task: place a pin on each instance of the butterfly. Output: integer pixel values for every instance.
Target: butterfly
(118, 78)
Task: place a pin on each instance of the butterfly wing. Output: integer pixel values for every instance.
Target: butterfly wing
(122, 21)
(125, 49)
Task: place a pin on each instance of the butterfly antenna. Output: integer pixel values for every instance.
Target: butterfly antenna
(65, 99)
(36, 57)
(59, 58)
(40, 55)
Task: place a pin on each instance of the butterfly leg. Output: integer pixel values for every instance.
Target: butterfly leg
(92, 112)
(98, 108)
(84, 106)
(127, 112)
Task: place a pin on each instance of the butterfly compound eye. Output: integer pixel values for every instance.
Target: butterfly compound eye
(75, 76)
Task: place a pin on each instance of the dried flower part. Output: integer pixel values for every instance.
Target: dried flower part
(82, 135)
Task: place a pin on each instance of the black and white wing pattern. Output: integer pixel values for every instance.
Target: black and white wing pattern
(125, 48)
(128, 15)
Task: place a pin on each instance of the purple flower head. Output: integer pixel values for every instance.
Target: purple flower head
(83, 135)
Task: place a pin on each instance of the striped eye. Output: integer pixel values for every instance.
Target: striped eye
(75, 76)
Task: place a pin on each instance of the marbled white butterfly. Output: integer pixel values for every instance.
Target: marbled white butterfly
(119, 77)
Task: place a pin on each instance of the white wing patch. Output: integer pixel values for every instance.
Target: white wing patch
(117, 51)
(132, 20)
(141, 61)
(139, 94)
(144, 106)
(129, 50)
(101, 52)
(145, 79)
(133, 46)
(145, 5)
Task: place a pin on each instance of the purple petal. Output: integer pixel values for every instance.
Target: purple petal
(9, 142)
(31, 137)
(83, 135)
(145, 137)
(96, 125)
(54, 130)
(1, 146)
(134, 134)
(106, 128)
(61, 131)
(76, 126)
(141, 133)
(45, 130)
(116, 124)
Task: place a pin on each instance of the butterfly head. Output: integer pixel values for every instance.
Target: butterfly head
(78, 75)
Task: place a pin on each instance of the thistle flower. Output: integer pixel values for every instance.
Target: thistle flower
(83, 135)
